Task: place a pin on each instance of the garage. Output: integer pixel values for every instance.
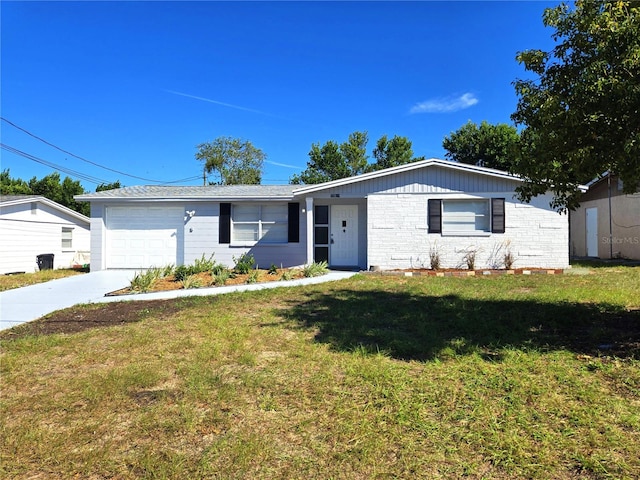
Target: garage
(143, 237)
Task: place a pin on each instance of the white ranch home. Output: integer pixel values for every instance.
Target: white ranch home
(389, 219)
(32, 225)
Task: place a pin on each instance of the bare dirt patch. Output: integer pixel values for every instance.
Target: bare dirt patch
(86, 317)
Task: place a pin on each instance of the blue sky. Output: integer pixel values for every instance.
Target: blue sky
(136, 86)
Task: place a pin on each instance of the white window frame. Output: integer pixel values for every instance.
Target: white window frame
(467, 221)
(67, 238)
(261, 226)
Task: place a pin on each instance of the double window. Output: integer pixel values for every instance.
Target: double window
(248, 223)
(251, 223)
(466, 216)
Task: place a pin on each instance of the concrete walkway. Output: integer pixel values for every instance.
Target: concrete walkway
(25, 304)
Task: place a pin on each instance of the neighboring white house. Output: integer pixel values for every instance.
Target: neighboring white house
(32, 225)
(393, 218)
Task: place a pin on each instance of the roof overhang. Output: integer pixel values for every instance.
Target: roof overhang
(433, 162)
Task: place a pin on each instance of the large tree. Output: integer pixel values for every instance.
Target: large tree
(392, 153)
(486, 145)
(333, 161)
(50, 186)
(581, 112)
(234, 161)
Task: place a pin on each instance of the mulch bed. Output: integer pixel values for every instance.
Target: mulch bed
(468, 273)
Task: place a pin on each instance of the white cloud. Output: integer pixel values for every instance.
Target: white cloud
(286, 165)
(445, 104)
(229, 105)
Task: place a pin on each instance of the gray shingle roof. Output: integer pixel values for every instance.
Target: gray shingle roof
(193, 192)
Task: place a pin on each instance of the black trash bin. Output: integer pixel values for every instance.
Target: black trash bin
(45, 261)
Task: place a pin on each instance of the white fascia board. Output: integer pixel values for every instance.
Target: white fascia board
(52, 204)
(405, 168)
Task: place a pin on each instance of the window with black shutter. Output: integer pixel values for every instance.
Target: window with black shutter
(435, 216)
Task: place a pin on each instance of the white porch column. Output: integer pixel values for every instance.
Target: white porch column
(310, 232)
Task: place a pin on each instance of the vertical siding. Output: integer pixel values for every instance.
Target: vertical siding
(426, 180)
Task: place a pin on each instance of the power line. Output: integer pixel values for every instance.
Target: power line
(94, 163)
(68, 171)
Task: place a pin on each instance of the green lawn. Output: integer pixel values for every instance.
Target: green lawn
(7, 282)
(374, 377)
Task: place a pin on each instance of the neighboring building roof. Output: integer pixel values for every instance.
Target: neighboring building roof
(9, 200)
(208, 192)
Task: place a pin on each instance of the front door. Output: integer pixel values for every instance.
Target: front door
(344, 236)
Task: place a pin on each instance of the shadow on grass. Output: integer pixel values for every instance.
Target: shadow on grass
(422, 327)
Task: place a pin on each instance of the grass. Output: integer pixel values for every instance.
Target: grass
(8, 282)
(373, 377)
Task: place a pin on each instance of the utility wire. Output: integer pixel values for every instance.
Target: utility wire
(94, 163)
(68, 171)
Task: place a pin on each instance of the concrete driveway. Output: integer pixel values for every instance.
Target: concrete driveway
(29, 303)
(25, 304)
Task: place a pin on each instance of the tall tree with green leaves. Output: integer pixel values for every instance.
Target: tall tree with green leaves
(392, 153)
(232, 160)
(486, 145)
(50, 187)
(333, 161)
(13, 186)
(109, 186)
(581, 114)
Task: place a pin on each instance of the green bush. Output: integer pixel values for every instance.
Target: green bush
(253, 276)
(204, 264)
(315, 269)
(181, 272)
(244, 263)
(142, 282)
(192, 281)
(220, 276)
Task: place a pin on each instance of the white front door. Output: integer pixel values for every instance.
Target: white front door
(344, 236)
(592, 231)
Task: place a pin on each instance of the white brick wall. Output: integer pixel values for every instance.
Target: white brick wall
(398, 236)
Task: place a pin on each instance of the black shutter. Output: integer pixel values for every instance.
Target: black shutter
(294, 223)
(435, 216)
(224, 232)
(497, 215)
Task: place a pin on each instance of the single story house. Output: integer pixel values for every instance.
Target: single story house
(32, 225)
(396, 218)
(607, 223)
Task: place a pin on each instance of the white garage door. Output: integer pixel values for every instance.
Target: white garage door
(142, 237)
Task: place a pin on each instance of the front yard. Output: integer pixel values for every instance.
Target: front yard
(373, 377)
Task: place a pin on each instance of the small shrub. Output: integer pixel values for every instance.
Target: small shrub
(315, 269)
(434, 256)
(221, 276)
(167, 271)
(509, 258)
(253, 276)
(203, 264)
(470, 259)
(218, 268)
(244, 264)
(181, 272)
(287, 275)
(142, 282)
(273, 270)
(192, 281)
